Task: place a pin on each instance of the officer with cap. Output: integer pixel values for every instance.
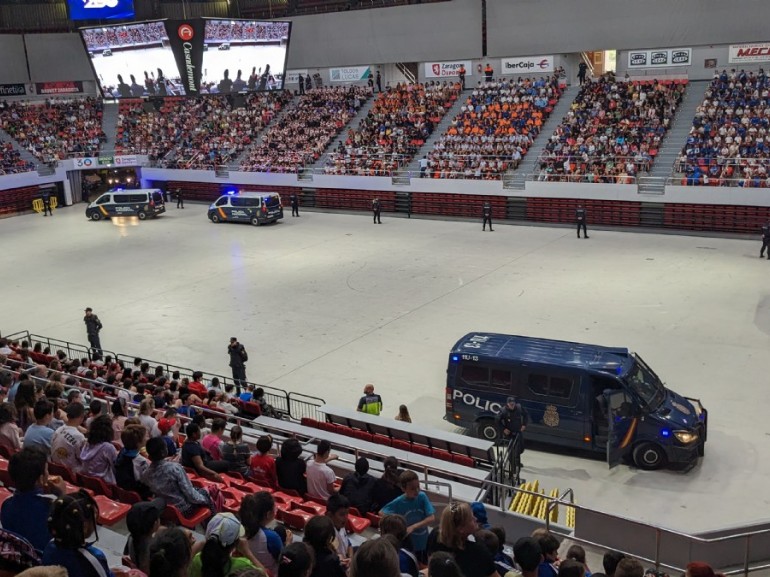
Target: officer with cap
(376, 207)
(93, 326)
(511, 421)
(486, 213)
(294, 199)
(765, 241)
(238, 358)
(46, 194)
(580, 214)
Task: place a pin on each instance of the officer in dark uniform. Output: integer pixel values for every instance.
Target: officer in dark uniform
(486, 212)
(179, 198)
(47, 202)
(511, 421)
(376, 207)
(238, 358)
(765, 241)
(93, 326)
(294, 200)
(580, 215)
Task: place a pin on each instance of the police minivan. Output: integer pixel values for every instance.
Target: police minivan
(254, 207)
(142, 203)
(582, 396)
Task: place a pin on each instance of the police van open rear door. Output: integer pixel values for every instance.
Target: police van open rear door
(622, 426)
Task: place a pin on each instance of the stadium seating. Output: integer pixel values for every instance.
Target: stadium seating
(11, 161)
(729, 144)
(301, 136)
(495, 128)
(612, 131)
(55, 129)
(399, 123)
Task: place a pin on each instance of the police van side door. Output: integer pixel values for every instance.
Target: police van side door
(622, 426)
(552, 399)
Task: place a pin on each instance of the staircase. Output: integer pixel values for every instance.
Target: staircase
(343, 135)
(438, 132)
(23, 152)
(515, 179)
(236, 162)
(110, 125)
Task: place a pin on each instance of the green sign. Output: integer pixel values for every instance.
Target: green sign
(106, 160)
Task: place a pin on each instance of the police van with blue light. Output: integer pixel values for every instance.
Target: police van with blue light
(142, 203)
(253, 207)
(587, 397)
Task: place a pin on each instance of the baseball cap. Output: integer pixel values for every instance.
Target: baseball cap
(142, 516)
(165, 425)
(510, 400)
(226, 528)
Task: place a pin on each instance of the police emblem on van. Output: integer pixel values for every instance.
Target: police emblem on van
(551, 416)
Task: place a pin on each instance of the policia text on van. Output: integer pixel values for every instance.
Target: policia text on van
(583, 396)
(142, 203)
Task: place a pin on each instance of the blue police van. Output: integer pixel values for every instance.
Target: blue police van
(254, 207)
(589, 397)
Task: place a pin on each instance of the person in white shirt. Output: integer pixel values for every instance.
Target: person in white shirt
(337, 509)
(68, 439)
(320, 477)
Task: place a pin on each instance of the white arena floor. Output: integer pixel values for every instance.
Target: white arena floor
(327, 302)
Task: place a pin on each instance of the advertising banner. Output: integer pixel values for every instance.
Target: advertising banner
(90, 162)
(186, 39)
(349, 74)
(756, 52)
(66, 87)
(527, 64)
(13, 90)
(664, 58)
(126, 160)
(447, 69)
(292, 76)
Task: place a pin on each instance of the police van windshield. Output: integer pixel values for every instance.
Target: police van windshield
(646, 384)
(272, 201)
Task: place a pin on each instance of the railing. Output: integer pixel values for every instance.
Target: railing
(707, 181)
(586, 178)
(281, 400)
(505, 475)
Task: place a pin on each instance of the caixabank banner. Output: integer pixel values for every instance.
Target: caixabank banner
(186, 41)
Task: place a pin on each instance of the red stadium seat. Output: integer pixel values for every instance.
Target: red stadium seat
(110, 512)
(441, 454)
(295, 518)
(382, 440)
(311, 507)
(401, 444)
(421, 450)
(463, 460)
(97, 485)
(172, 515)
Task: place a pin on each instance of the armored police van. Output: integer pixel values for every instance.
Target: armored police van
(254, 207)
(142, 203)
(587, 397)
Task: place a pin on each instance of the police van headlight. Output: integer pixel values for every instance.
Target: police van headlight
(685, 437)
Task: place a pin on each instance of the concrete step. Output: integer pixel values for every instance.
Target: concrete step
(110, 125)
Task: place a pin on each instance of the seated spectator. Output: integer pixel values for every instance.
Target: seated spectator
(375, 558)
(457, 524)
(528, 556)
(95, 408)
(549, 546)
(213, 440)
(195, 457)
(490, 541)
(68, 440)
(146, 409)
(262, 467)
(610, 562)
(72, 522)
(700, 569)
(571, 568)
(257, 512)
(296, 561)
(320, 476)
(443, 565)
(24, 401)
(169, 431)
(359, 486)
(319, 536)
(10, 434)
(290, 467)
(142, 521)
(503, 561)
(169, 553)
(418, 511)
(98, 455)
(337, 509)
(11, 161)
(577, 553)
(236, 453)
(39, 434)
(395, 526)
(130, 465)
(216, 402)
(387, 487)
(630, 567)
(226, 552)
(26, 512)
(169, 481)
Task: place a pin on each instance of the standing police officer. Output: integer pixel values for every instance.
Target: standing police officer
(179, 198)
(294, 200)
(47, 202)
(238, 358)
(486, 212)
(580, 214)
(376, 207)
(765, 241)
(93, 326)
(511, 421)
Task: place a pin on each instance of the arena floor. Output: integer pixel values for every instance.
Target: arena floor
(328, 302)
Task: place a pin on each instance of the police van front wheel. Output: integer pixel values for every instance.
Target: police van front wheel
(649, 456)
(215, 218)
(486, 429)
(96, 216)
(255, 221)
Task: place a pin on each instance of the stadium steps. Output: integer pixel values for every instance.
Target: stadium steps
(443, 126)
(676, 137)
(515, 179)
(110, 125)
(236, 163)
(23, 152)
(342, 136)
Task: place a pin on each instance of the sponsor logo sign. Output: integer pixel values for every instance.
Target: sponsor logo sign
(292, 76)
(661, 58)
(447, 69)
(95, 162)
(527, 64)
(349, 74)
(755, 52)
(126, 160)
(66, 87)
(186, 39)
(13, 90)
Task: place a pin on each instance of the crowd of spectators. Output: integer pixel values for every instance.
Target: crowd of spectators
(243, 31)
(55, 129)
(612, 131)
(11, 161)
(400, 121)
(303, 133)
(729, 142)
(198, 133)
(128, 35)
(494, 129)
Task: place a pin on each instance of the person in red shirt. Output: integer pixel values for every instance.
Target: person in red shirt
(263, 464)
(197, 387)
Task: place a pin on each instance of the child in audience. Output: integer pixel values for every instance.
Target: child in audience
(296, 561)
(235, 452)
(319, 535)
(417, 509)
(549, 545)
(169, 553)
(337, 509)
(257, 512)
(443, 565)
(577, 553)
(224, 538)
(395, 526)
(142, 521)
(375, 558)
(98, 454)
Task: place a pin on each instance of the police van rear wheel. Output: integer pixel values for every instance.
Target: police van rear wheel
(255, 221)
(649, 456)
(215, 218)
(142, 215)
(486, 429)
(95, 216)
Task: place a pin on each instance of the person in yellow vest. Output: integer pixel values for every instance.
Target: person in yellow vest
(370, 403)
